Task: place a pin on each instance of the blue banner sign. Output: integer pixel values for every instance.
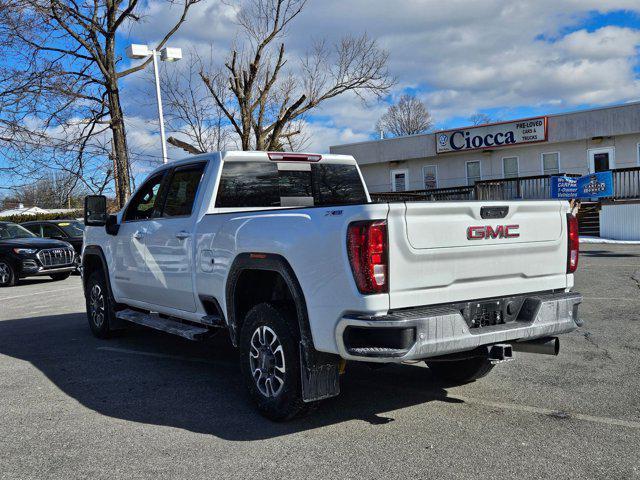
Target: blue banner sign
(590, 186)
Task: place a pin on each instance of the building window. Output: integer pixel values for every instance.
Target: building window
(639, 154)
(399, 180)
(474, 173)
(430, 177)
(510, 167)
(550, 163)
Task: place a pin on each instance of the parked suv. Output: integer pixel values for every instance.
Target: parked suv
(288, 253)
(70, 231)
(22, 254)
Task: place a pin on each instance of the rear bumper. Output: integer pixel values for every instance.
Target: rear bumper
(426, 332)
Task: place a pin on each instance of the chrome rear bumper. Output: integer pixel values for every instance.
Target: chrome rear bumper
(433, 331)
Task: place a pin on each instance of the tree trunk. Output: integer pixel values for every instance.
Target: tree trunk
(123, 190)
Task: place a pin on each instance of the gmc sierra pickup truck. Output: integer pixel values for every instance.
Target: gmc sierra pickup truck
(288, 253)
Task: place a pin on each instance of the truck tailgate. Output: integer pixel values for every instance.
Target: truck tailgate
(447, 252)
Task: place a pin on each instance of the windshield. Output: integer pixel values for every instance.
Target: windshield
(73, 229)
(13, 230)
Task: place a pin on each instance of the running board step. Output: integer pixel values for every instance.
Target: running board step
(153, 320)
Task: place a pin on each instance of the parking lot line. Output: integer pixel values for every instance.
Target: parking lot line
(559, 414)
(38, 293)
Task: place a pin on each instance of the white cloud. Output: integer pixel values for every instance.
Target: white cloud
(463, 55)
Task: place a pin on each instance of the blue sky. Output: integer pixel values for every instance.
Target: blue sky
(504, 58)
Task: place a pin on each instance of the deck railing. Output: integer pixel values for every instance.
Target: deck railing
(535, 187)
(626, 185)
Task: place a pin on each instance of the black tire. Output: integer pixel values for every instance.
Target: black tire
(8, 277)
(458, 372)
(100, 308)
(283, 400)
(60, 276)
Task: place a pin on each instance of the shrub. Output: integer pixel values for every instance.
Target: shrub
(43, 216)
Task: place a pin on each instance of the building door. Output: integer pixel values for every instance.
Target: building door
(400, 180)
(601, 159)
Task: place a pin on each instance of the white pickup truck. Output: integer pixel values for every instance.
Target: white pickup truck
(289, 254)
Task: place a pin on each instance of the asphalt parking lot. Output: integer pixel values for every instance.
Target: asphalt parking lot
(147, 405)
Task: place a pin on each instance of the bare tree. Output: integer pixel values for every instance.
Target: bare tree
(200, 124)
(68, 73)
(478, 119)
(268, 104)
(409, 116)
(52, 191)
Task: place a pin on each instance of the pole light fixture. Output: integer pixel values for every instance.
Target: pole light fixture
(167, 54)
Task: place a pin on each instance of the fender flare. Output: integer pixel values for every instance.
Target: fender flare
(319, 371)
(274, 263)
(96, 251)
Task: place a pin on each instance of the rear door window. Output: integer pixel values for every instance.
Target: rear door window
(51, 231)
(34, 228)
(262, 184)
(182, 190)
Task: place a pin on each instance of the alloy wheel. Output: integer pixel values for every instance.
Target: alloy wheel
(266, 358)
(96, 305)
(5, 273)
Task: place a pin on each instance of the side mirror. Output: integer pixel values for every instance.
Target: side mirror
(95, 210)
(112, 227)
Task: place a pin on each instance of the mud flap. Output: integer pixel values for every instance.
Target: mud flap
(320, 374)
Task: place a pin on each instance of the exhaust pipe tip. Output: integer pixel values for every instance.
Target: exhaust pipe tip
(543, 346)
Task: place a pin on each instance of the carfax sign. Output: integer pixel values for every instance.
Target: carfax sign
(593, 185)
(488, 137)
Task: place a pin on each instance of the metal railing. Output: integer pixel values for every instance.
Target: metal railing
(535, 187)
(626, 183)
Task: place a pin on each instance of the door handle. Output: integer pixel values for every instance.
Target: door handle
(139, 234)
(182, 235)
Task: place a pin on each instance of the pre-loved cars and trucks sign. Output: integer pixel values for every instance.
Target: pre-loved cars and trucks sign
(489, 137)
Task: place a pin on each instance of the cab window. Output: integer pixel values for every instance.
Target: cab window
(144, 202)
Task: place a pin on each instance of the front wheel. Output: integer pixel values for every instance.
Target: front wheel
(8, 276)
(99, 308)
(270, 363)
(461, 371)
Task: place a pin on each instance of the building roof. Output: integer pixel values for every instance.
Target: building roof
(563, 127)
(32, 211)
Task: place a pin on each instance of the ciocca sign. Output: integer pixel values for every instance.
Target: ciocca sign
(488, 137)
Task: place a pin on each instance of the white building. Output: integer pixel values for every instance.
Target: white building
(578, 142)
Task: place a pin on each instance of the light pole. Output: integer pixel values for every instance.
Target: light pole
(167, 54)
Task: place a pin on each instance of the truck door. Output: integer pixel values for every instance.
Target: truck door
(169, 241)
(131, 270)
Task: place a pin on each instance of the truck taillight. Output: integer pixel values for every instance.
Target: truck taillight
(574, 243)
(368, 255)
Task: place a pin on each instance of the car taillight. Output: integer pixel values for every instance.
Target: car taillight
(368, 255)
(574, 243)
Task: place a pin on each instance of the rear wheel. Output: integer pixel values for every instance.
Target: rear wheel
(462, 370)
(8, 276)
(60, 276)
(99, 307)
(270, 362)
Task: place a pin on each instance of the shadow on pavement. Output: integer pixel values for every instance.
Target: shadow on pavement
(199, 388)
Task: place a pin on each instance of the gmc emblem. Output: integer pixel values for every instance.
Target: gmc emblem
(487, 231)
